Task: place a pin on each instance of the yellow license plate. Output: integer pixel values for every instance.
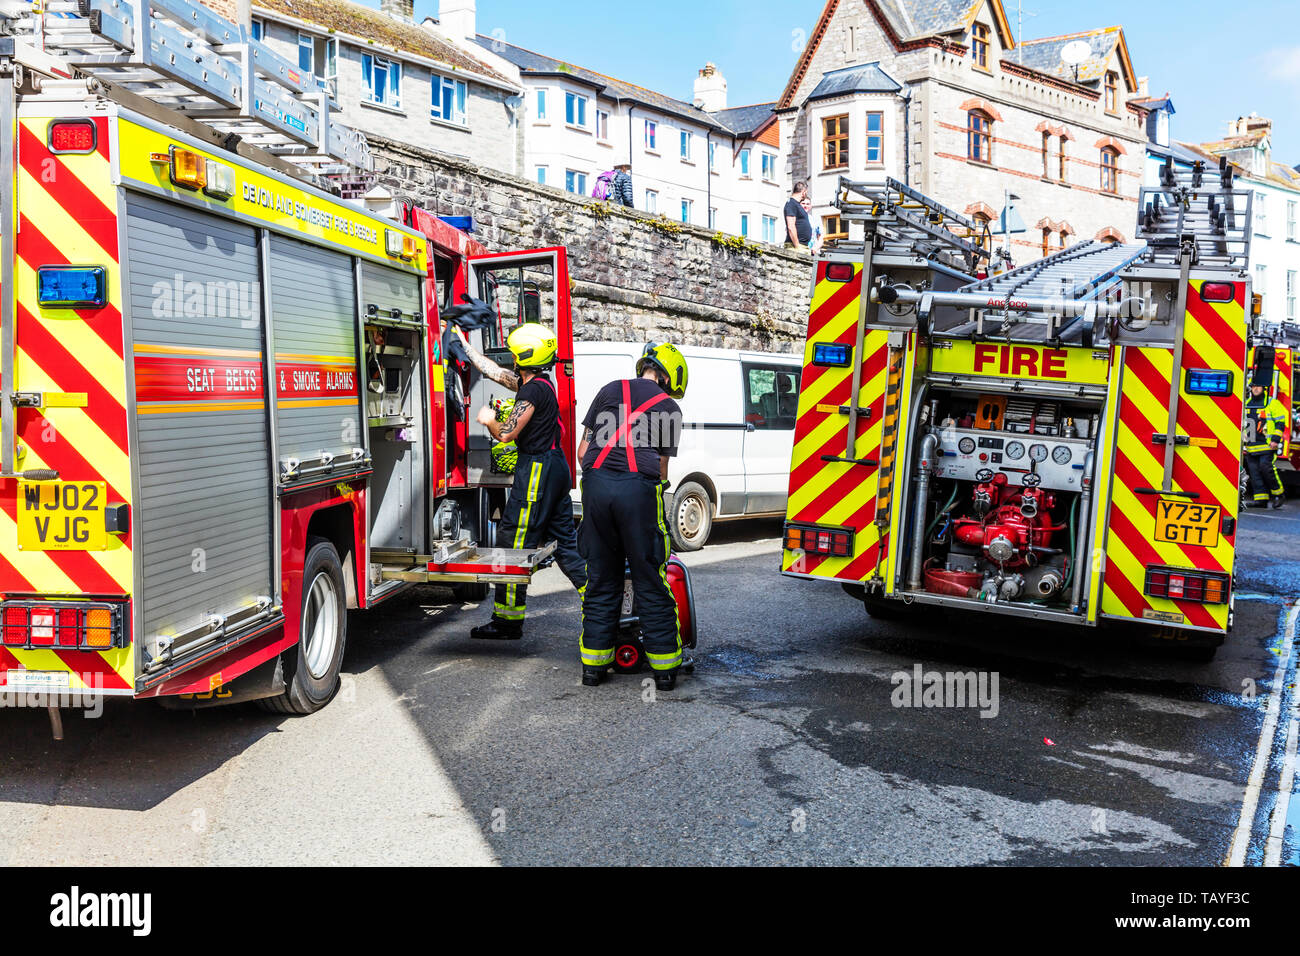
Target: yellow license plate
(1186, 522)
(61, 516)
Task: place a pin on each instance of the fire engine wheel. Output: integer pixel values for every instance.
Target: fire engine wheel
(471, 592)
(311, 670)
(692, 517)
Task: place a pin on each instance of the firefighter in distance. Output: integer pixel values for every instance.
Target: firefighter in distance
(1265, 425)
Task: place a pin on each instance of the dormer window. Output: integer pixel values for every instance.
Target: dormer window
(979, 45)
(1112, 92)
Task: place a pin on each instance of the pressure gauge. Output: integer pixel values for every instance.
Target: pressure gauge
(1014, 451)
(966, 445)
(1038, 452)
(1061, 454)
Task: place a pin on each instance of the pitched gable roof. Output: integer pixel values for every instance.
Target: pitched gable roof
(906, 23)
(340, 16)
(868, 78)
(1044, 55)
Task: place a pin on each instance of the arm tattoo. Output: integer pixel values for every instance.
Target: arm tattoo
(513, 421)
(492, 370)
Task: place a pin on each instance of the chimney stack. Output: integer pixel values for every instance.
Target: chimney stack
(711, 89)
(1144, 86)
(403, 10)
(457, 18)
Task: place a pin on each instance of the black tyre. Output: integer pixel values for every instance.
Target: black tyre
(471, 593)
(882, 610)
(311, 669)
(692, 517)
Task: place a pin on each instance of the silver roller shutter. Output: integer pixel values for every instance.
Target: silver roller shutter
(387, 289)
(203, 519)
(318, 398)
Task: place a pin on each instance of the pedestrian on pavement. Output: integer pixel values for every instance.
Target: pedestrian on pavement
(631, 430)
(539, 508)
(1265, 425)
(621, 190)
(798, 227)
(815, 243)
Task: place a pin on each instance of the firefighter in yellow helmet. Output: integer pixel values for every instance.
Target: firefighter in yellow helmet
(539, 508)
(1265, 426)
(631, 430)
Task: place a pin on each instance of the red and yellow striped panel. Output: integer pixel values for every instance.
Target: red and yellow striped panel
(1286, 395)
(1209, 465)
(837, 493)
(67, 211)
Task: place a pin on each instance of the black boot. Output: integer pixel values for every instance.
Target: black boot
(1276, 501)
(593, 676)
(498, 629)
(666, 680)
(1258, 504)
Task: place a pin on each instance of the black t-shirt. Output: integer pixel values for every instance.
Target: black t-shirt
(542, 433)
(656, 432)
(801, 224)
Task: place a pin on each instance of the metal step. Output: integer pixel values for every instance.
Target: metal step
(462, 563)
(184, 57)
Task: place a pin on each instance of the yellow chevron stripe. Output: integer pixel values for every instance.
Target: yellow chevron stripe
(869, 392)
(830, 378)
(92, 170)
(116, 559)
(35, 566)
(42, 659)
(1102, 484)
(830, 472)
(61, 225)
(76, 427)
(1134, 571)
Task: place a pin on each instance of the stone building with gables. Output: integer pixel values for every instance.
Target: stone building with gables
(939, 94)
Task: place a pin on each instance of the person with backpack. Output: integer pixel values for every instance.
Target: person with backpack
(539, 508)
(631, 430)
(604, 188)
(621, 187)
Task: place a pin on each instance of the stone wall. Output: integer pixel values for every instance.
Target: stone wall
(634, 277)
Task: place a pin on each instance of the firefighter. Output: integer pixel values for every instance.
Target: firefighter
(1265, 425)
(631, 430)
(539, 508)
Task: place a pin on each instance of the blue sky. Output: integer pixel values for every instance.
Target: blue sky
(1216, 68)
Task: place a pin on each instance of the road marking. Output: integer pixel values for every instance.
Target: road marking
(1241, 838)
(1273, 849)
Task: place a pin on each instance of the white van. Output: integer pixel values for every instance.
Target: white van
(738, 417)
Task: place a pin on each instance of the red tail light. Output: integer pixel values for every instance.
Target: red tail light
(835, 542)
(1202, 587)
(86, 625)
(1218, 292)
(72, 136)
(839, 271)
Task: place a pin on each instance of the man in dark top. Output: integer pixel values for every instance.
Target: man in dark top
(620, 191)
(539, 508)
(798, 228)
(631, 430)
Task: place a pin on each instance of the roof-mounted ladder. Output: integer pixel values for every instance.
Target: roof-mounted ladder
(1198, 208)
(905, 221)
(184, 57)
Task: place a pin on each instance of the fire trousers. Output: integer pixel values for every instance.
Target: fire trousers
(624, 529)
(539, 510)
(1264, 479)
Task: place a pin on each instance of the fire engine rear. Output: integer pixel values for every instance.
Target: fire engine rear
(1061, 441)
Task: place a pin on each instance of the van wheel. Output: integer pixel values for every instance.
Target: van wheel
(692, 517)
(311, 670)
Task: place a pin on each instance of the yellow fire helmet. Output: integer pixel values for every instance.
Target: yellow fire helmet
(668, 360)
(533, 346)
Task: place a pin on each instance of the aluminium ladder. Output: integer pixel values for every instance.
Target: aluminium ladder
(182, 56)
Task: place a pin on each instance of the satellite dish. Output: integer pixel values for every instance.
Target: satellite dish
(1076, 52)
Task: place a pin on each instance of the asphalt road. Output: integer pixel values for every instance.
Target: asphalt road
(784, 747)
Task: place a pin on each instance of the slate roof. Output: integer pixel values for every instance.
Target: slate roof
(745, 121)
(1152, 103)
(1045, 55)
(537, 63)
(868, 78)
(341, 16)
(918, 18)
